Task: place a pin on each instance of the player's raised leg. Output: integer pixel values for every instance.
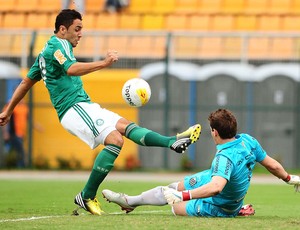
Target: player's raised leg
(178, 143)
(186, 138)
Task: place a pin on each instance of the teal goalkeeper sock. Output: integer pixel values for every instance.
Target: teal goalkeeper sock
(146, 137)
(104, 162)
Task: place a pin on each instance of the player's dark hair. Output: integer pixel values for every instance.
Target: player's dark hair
(224, 122)
(66, 18)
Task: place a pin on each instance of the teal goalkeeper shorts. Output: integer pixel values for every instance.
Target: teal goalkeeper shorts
(203, 207)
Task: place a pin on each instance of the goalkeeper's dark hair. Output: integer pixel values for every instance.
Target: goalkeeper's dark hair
(224, 122)
(66, 18)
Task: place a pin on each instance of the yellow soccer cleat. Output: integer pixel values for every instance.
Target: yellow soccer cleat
(90, 205)
(186, 138)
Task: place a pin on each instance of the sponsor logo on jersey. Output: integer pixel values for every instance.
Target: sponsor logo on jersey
(60, 57)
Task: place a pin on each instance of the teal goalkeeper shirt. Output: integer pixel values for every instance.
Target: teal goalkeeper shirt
(235, 161)
(51, 65)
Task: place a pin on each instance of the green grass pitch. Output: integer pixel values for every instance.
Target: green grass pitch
(36, 204)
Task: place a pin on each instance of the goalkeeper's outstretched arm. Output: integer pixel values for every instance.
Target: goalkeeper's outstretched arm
(277, 170)
(214, 187)
(274, 167)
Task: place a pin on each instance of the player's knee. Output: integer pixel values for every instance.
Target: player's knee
(122, 125)
(114, 138)
(179, 209)
(118, 141)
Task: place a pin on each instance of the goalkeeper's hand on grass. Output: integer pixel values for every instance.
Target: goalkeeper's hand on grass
(173, 196)
(293, 180)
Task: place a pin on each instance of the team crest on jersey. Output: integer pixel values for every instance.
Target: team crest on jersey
(192, 181)
(60, 57)
(99, 122)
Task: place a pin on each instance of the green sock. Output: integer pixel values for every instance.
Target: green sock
(146, 137)
(104, 162)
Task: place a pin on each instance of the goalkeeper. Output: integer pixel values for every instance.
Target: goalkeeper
(220, 190)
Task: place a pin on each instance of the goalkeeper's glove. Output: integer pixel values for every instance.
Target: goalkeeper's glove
(173, 196)
(293, 180)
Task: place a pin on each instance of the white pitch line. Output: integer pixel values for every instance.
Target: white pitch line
(29, 218)
(49, 217)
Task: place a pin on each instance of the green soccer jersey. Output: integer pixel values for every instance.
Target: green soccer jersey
(51, 65)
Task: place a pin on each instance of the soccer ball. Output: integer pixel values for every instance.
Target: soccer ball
(136, 92)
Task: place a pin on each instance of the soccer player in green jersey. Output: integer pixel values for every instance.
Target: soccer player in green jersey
(60, 72)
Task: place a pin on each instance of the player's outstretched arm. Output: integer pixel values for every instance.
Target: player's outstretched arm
(19, 93)
(82, 68)
(277, 170)
(210, 189)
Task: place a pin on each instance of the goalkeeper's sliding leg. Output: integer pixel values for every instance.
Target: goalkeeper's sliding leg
(128, 203)
(154, 197)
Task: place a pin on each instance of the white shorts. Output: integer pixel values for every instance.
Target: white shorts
(90, 122)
